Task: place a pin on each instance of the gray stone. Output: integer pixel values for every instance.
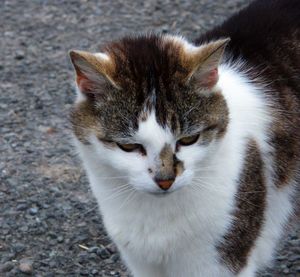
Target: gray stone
(19, 247)
(25, 266)
(33, 211)
(6, 267)
(103, 253)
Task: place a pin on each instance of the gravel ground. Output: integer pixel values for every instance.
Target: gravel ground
(49, 222)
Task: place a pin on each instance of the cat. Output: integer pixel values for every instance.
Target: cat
(192, 149)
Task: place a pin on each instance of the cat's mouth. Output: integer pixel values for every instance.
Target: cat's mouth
(161, 193)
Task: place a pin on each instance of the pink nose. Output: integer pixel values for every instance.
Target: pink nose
(165, 184)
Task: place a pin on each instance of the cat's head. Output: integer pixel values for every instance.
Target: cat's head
(150, 108)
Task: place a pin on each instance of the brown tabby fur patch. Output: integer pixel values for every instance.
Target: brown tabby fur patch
(84, 122)
(249, 212)
(170, 166)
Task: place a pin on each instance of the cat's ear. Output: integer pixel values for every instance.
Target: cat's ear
(92, 71)
(203, 61)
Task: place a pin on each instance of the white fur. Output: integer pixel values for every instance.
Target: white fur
(189, 47)
(79, 96)
(175, 235)
(102, 56)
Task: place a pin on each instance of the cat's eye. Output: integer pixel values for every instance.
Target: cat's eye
(188, 140)
(130, 147)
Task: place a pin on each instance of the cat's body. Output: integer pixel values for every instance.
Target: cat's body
(141, 107)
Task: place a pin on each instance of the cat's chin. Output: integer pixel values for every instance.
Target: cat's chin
(161, 193)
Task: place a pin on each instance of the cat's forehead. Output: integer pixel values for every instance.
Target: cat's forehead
(149, 70)
(153, 134)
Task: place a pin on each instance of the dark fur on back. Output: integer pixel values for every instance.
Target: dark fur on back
(266, 36)
(259, 30)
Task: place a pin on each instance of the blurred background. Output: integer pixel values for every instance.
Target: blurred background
(49, 222)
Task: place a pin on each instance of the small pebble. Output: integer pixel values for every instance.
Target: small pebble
(60, 239)
(281, 258)
(103, 253)
(115, 257)
(26, 266)
(24, 229)
(52, 235)
(52, 263)
(286, 271)
(33, 211)
(22, 207)
(52, 242)
(94, 271)
(84, 272)
(294, 258)
(19, 247)
(295, 242)
(93, 256)
(83, 257)
(5, 231)
(50, 130)
(294, 237)
(93, 249)
(20, 55)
